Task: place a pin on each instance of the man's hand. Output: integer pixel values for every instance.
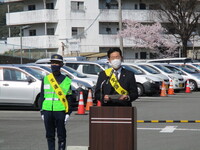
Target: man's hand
(124, 97)
(106, 98)
(66, 118)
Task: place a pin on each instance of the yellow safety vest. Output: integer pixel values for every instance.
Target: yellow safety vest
(55, 94)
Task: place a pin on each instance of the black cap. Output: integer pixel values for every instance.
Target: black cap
(56, 57)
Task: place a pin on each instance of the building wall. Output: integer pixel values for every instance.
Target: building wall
(100, 25)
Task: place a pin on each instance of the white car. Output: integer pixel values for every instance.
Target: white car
(146, 84)
(177, 80)
(150, 72)
(18, 87)
(194, 78)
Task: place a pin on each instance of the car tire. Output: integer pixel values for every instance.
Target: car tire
(193, 85)
(140, 89)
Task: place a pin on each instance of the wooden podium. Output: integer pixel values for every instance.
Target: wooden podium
(113, 128)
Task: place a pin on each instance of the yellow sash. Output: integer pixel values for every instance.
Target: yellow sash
(115, 84)
(58, 91)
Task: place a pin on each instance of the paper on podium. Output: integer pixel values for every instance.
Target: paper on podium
(115, 97)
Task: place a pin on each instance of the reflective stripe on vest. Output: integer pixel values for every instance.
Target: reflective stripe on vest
(115, 84)
(52, 102)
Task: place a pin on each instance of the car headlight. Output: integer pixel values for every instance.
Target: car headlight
(150, 80)
(82, 86)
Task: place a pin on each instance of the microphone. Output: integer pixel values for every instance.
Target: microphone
(107, 79)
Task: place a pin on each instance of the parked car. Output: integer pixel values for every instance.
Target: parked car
(177, 80)
(47, 60)
(18, 86)
(194, 78)
(146, 84)
(91, 69)
(150, 71)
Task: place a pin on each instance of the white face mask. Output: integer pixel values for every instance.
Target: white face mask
(116, 63)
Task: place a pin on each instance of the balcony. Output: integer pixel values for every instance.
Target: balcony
(32, 17)
(12, 1)
(112, 15)
(35, 42)
(112, 41)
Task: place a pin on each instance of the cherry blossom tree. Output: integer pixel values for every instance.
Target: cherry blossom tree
(151, 37)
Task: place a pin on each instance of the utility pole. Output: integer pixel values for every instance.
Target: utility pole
(120, 24)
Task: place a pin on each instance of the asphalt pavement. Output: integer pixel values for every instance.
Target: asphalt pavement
(24, 130)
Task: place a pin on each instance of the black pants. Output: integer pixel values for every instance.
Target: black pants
(55, 121)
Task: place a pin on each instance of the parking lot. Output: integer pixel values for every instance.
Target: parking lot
(24, 130)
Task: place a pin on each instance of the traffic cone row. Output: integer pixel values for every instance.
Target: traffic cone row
(187, 89)
(81, 109)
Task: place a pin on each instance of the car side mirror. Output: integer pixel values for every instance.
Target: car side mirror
(29, 79)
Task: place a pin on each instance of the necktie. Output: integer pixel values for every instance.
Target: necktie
(116, 74)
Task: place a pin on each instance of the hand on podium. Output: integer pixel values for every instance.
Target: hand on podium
(115, 97)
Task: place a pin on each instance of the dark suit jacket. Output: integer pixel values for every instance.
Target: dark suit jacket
(127, 81)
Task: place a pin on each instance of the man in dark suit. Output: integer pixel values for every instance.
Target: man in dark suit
(116, 86)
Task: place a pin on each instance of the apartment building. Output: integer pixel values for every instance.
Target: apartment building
(65, 26)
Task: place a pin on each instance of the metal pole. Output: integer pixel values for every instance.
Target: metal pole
(120, 24)
(21, 45)
(193, 48)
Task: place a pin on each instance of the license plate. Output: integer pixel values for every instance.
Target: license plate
(180, 84)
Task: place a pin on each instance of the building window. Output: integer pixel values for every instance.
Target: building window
(136, 6)
(77, 31)
(77, 6)
(143, 55)
(32, 32)
(142, 6)
(31, 7)
(50, 31)
(136, 55)
(49, 5)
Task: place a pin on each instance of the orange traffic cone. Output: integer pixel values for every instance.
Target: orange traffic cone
(81, 110)
(171, 89)
(163, 90)
(89, 100)
(187, 89)
(98, 103)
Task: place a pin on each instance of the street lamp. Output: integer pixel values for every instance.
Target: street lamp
(21, 29)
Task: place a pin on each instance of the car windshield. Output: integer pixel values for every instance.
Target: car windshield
(74, 72)
(149, 69)
(134, 70)
(33, 72)
(186, 69)
(196, 65)
(164, 69)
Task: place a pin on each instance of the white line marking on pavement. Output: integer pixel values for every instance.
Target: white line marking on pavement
(168, 129)
(176, 129)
